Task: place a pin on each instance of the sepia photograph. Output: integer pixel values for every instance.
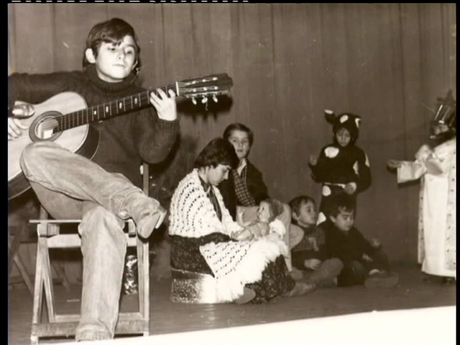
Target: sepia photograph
(232, 173)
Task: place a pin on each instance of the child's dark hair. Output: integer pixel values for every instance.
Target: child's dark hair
(238, 127)
(276, 208)
(341, 202)
(298, 201)
(113, 31)
(217, 151)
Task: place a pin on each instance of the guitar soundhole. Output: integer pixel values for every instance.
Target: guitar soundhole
(44, 127)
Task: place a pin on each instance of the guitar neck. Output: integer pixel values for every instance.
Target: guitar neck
(108, 110)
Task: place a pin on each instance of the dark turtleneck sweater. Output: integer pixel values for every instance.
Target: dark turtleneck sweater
(124, 141)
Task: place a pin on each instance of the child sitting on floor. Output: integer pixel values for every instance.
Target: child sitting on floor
(309, 256)
(364, 262)
(266, 224)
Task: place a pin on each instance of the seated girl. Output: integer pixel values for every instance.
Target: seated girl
(200, 232)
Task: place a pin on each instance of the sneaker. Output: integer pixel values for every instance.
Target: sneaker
(382, 280)
(300, 289)
(248, 295)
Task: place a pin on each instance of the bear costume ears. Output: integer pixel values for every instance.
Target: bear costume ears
(349, 121)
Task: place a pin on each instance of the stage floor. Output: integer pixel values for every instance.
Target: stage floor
(412, 296)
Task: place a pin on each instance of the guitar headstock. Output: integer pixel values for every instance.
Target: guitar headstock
(205, 87)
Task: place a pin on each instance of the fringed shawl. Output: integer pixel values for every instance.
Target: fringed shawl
(233, 263)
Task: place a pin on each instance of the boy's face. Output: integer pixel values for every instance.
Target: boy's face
(344, 220)
(307, 215)
(240, 141)
(216, 175)
(343, 137)
(115, 61)
(263, 212)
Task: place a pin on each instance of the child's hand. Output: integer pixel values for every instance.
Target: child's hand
(375, 243)
(423, 152)
(313, 243)
(313, 160)
(312, 264)
(367, 258)
(20, 111)
(394, 164)
(243, 235)
(350, 188)
(239, 217)
(164, 104)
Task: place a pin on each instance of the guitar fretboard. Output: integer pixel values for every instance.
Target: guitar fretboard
(107, 110)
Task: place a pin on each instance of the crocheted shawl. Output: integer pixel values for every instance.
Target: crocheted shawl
(233, 263)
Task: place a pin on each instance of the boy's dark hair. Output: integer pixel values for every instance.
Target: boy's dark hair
(298, 201)
(276, 208)
(339, 203)
(113, 31)
(217, 151)
(238, 127)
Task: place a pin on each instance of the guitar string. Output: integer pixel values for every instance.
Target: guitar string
(73, 119)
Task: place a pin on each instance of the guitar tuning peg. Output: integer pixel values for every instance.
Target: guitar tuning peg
(204, 100)
(214, 98)
(194, 100)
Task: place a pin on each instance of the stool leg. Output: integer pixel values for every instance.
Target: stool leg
(143, 278)
(38, 296)
(38, 289)
(47, 279)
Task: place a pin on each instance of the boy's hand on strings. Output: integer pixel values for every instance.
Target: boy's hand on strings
(164, 104)
(313, 160)
(350, 188)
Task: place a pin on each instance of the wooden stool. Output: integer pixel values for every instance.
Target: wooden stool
(191, 287)
(50, 236)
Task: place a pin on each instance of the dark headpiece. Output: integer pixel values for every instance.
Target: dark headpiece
(348, 121)
(446, 113)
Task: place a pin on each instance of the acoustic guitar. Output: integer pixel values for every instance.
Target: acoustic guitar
(65, 118)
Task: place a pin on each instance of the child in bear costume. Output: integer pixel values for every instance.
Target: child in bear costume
(342, 167)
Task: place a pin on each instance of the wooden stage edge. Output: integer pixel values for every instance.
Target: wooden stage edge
(411, 326)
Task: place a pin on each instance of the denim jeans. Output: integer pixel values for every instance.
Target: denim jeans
(70, 186)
